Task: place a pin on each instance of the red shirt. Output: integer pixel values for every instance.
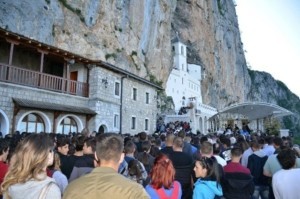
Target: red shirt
(236, 167)
(3, 171)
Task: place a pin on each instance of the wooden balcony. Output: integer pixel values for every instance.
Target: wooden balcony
(40, 80)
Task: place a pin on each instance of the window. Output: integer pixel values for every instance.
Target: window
(116, 120)
(182, 50)
(182, 80)
(133, 121)
(146, 124)
(182, 66)
(67, 125)
(147, 98)
(134, 94)
(173, 48)
(32, 123)
(117, 88)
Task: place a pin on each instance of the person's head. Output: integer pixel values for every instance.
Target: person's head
(134, 169)
(85, 132)
(143, 136)
(269, 140)
(162, 137)
(236, 152)
(129, 147)
(255, 146)
(187, 139)
(203, 139)
(178, 144)
(207, 168)
(226, 142)
(277, 142)
(216, 148)
(162, 173)
(4, 149)
(62, 145)
(158, 142)
(109, 149)
(169, 139)
(79, 142)
(181, 134)
(30, 160)
(146, 146)
(287, 158)
(89, 146)
(206, 149)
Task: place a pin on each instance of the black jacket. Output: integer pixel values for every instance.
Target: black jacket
(237, 185)
(256, 166)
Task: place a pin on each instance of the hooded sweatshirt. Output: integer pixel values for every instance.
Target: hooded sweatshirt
(33, 188)
(256, 164)
(206, 189)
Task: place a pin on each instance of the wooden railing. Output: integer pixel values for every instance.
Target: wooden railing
(36, 79)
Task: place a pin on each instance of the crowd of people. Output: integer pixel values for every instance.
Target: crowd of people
(174, 164)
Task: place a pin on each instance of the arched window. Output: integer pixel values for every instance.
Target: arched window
(32, 123)
(67, 125)
(102, 129)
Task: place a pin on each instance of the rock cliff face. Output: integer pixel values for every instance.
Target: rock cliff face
(265, 88)
(136, 35)
(210, 29)
(133, 35)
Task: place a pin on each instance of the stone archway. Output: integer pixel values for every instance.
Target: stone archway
(4, 123)
(102, 129)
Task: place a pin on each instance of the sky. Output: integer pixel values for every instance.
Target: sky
(270, 32)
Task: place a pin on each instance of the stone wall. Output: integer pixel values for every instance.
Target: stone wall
(104, 101)
(10, 91)
(138, 108)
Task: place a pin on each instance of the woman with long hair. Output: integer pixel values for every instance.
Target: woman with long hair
(135, 171)
(209, 173)
(55, 172)
(163, 184)
(26, 177)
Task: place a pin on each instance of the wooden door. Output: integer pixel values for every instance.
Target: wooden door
(73, 77)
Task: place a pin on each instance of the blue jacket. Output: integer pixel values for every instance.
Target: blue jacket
(206, 189)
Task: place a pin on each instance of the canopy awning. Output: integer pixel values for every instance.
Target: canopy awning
(255, 110)
(25, 103)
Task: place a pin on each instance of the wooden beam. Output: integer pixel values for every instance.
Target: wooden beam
(11, 52)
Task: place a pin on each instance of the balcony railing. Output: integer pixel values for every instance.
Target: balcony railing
(36, 79)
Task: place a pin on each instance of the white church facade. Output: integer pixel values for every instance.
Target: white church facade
(184, 86)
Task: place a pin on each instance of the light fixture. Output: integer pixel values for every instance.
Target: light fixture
(105, 82)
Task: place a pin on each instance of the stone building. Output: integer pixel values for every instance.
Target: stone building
(46, 89)
(184, 85)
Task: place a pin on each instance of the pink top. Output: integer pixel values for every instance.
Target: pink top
(3, 171)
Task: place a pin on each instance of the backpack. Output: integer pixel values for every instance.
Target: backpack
(162, 195)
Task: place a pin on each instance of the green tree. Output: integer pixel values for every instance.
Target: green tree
(272, 126)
